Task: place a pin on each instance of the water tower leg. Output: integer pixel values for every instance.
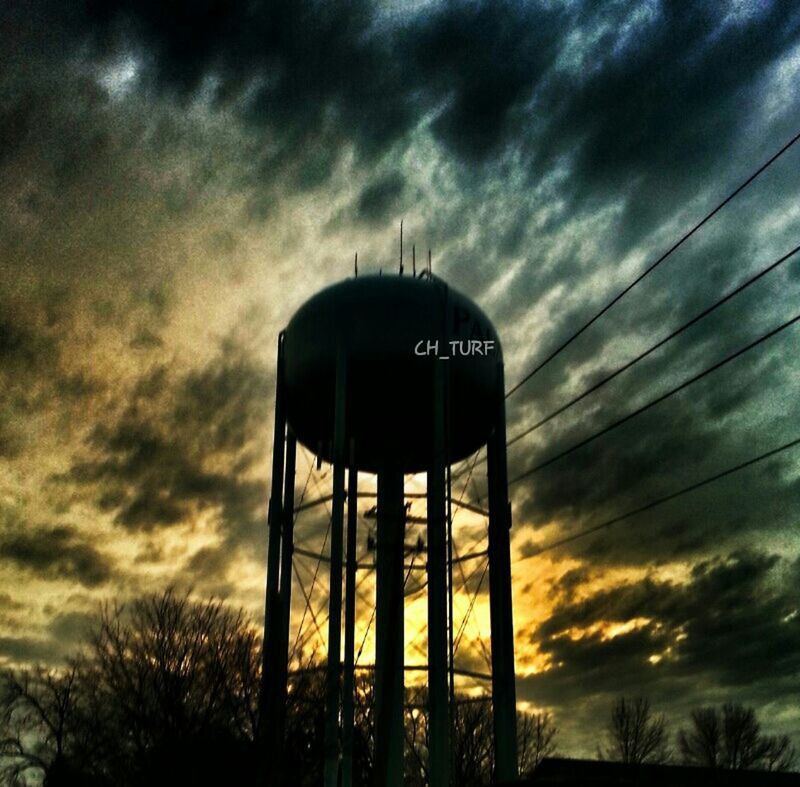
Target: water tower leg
(333, 679)
(438, 707)
(269, 696)
(503, 677)
(278, 727)
(389, 644)
(348, 681)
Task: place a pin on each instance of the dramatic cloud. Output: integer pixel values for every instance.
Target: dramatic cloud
(730, 618)
(175, 179)
(57, 552)
(185, 445)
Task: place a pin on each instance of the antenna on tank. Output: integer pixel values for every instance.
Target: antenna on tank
(356, 264)
(429, 262)
(401, 247)
(414, 260)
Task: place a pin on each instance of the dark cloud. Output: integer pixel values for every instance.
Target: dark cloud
(58, 552)
(8, 603)
(732, 616)
(311, 71)
(186, 443)
(484, 61)
(567, 583)
(730, 630)
(21, 347)
(25, 649)
(669, 107)
(71, 628)
(11, 440)
(145, 339)
(379, 199)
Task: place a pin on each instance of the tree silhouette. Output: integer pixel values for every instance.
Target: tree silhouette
(167, 686)
(166, 692)
(36, 720)
(635, 735)
(732, 739)
(536, 739)
(473, 753)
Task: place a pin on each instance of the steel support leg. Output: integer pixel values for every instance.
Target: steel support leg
(500, 600)
(348, 680)
(269, 697)
(278, 720)
(333, 678)
(389, 738)
(438, 705)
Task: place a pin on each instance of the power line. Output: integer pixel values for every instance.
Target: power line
(645, 353)
(299, 506)
(654, 265)
(308, 606)
(325, 607)
(654, 402)
(313, 584)
(661, 500)
(470, 608)
(608, 378)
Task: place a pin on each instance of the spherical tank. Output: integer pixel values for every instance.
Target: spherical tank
(391, 332)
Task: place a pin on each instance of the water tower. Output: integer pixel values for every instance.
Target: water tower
(389, 375)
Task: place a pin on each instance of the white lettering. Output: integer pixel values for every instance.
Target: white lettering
(431, 347)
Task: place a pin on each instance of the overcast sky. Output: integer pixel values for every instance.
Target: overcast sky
(177, 178)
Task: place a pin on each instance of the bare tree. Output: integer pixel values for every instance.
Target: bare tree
(635, 734)
(36, 720)
(702, 743)
(779, 754)
(417, 741)
(164, 677)
(473, 754)
(536, 734)
(471, 739)
(167, 689)
(732, 739)
(166, 685)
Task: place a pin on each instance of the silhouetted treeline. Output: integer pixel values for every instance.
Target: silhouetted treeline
(165, 692)
(729, 737)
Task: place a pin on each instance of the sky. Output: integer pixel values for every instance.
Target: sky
(176, 179)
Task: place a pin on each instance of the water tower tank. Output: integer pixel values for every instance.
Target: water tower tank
(391, 331)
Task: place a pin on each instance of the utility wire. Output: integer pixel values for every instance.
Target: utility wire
(470, 608)
(645, 353)
(307, 602)
(311, 592)
(704, 313)
(661, 500)
(326, 608)
(654, 265)
(654, 402)
(305, 489)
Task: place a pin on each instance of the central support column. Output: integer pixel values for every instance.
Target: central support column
(389, 644)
